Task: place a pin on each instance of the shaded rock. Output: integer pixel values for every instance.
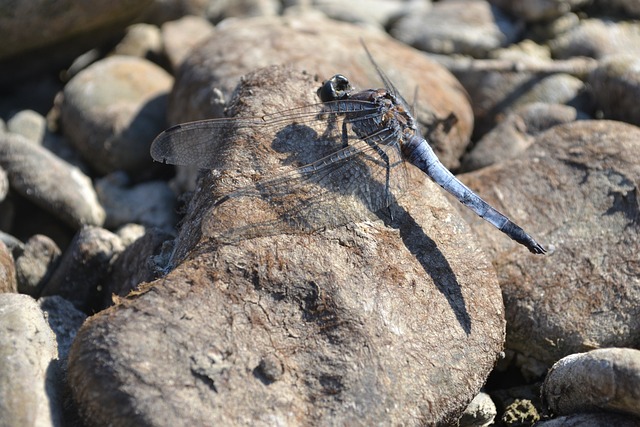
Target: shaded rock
(520, 412)
(604, 379)
(598, 38)
(35, 24)
(616, 86)
(84, 267)
(591, 420)
(495, 92)
(538, 10)
(212, 70)
(180, 36)
(516, 133)
(40, 36)
(29, 378)
(29, 124)
(64, 320)
(371, 12)
(112, 111)
(628, 8)
(481, 412)
(576, 190)
(7, 270)
(14, 245)
(468, 27)
(356, 325)
(135, 264)
(35, 265)
(151, 203)
(51, 183)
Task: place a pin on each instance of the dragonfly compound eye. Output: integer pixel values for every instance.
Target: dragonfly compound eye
(336, 88)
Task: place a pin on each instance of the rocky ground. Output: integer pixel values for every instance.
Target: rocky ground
(120, 306)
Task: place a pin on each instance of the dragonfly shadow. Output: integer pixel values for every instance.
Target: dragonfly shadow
(305, 145)
(432, 260)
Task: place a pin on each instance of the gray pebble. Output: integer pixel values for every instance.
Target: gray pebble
(516, 133)
(151, 203)
(140, 40)
(29, 124)
(51, 183)
(35, 265)
(606, 379)
(616, 87)
(481, 412)
(112, 111)
(30, 392)
(538, 10)
(84, 267)
(471, 27)
(8, 281)
(4, 184)
(181, 35)
(598, 38)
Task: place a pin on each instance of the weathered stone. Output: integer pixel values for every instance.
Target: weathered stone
(51, 183)
(576, 190)
(8, 281)
(616, 87)
(84, 267)
(600, 380)
(36, 263)
(30, 375)
(212, 70)
(361, 324)
(112, 111)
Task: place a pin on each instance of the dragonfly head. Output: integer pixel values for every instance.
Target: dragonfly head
(334, 89)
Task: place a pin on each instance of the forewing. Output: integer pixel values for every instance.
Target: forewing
(199, 143)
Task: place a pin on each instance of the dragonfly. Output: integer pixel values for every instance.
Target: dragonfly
(377, 137)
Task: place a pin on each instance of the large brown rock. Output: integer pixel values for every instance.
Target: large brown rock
(322, 47)
(372, 323)
(576, 190)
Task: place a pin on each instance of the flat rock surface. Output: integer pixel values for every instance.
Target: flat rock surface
(372, 323)
(575, 190)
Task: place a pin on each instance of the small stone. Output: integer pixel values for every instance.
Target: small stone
(30, 378)
(29, 124)
(538, 10)
(113, 109)
(616, 87)
(468, 27)
(521, 412)
(151, 203)
(600, 380)
(84, 267)
(140, 40)
(180, 36)
(516, 133)
(480, 412)
(598, 38)
(49, 182)
(7, 270)
(36, 264)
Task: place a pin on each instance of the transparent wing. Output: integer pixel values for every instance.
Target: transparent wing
(345, 186)
(199, 143)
